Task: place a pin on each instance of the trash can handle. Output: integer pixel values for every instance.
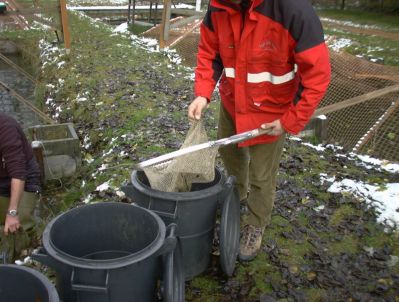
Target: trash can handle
(90, 288)
(227, 187)
(172, 214)
(170, 240)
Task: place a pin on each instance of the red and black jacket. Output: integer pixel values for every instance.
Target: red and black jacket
(271, 60)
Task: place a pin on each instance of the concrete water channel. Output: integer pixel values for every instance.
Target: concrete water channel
(56, 145)
(18, 82)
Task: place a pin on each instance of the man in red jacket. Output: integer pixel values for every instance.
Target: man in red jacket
(19, 183)
(273, 68)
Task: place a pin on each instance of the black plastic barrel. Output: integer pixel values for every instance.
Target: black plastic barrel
(194, 213)
(23, 284)
(107, 252)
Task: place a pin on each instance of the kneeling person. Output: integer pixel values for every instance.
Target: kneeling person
(19, 186)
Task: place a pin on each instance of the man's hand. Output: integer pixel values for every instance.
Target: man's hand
(11, 225)
(197, 107)
(274, 128)
(17, 189)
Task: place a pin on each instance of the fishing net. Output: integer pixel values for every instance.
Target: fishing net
(181, 172)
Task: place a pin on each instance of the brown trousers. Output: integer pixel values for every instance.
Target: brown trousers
(255, 168)
(14, 243)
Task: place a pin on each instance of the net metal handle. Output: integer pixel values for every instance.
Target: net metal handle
(241, 137)
(221, 142)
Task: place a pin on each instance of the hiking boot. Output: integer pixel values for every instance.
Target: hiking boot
(250, 242)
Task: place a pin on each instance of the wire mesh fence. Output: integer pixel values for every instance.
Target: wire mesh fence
(183, 37)
(370, 127)
(25, 14)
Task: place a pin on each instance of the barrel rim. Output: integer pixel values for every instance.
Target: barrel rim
(179, 196)
(119, 262)
(52, 292)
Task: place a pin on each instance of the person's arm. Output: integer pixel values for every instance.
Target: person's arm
(312, 59)
(12, 223)
(16, 166)
(314, 69)
(209, 67)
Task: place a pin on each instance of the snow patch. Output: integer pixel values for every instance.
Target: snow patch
(384, 200)
(103, 187)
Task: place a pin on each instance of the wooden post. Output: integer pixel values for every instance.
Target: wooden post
(65, 26)
(165, 24)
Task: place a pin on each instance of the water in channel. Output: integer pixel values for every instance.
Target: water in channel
(18, 82)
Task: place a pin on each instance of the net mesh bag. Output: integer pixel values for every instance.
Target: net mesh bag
(181, 172)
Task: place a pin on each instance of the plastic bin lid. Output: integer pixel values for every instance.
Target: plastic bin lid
(230, 232)
(173, 275)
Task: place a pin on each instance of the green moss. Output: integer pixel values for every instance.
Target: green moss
(278, 220)
(349, 244)
(315, 294)
(378, 239)
(259, 271)
(296, 251)
(322, 195)
(205, 283)
(203, 289)
(303, 219)
(340, 214)
(262, 285)
(71, 197)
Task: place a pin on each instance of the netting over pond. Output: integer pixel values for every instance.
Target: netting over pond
(370, 127)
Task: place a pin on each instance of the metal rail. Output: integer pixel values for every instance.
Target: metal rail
(16, 67)
(356, 100)
(20, 98)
